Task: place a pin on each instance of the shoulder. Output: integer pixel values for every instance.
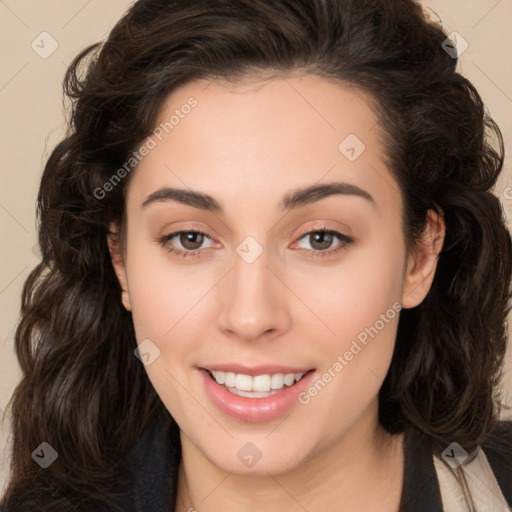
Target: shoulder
(497, 447)
(154, 462)
(52, 499)
(143, 479)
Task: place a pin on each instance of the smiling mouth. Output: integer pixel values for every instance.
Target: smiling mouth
(255, 386)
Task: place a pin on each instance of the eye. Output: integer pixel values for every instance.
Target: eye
(322, 239)
(191, 241)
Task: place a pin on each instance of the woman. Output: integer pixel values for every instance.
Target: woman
(274, 274)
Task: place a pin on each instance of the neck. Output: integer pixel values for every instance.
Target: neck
(362, 471)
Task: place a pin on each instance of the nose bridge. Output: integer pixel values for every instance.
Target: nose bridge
(254, 302)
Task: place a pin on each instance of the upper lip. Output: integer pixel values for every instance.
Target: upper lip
(255, 370)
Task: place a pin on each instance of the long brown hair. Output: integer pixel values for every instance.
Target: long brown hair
(83, 391)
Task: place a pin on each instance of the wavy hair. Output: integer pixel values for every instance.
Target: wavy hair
(83, 391)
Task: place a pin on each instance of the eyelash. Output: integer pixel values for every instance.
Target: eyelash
(345, 239)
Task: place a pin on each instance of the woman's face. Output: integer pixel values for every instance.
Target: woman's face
(263, 292)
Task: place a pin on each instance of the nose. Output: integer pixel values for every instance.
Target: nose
(253, 300)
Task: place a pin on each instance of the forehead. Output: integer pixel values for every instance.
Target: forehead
(262, 137)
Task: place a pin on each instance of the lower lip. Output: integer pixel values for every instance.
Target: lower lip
(254, 409)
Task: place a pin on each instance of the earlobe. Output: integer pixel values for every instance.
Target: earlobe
(422, 262)
(117, 258)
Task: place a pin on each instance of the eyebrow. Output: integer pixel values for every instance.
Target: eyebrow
(295, 199)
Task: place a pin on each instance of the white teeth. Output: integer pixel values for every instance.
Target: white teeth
(220, 377)
(229, 379)
(261, 383)
(251, 394)
(277, 381)
(289, 379)
(258, 383)
(243, 382)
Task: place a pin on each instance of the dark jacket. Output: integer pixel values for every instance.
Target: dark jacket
(148, 477)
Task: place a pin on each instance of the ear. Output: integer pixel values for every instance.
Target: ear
(117, 257)
(422, 262)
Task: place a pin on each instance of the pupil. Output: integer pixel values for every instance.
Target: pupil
(189, 239)
(322, 236)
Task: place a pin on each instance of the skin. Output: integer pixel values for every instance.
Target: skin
(247, 146)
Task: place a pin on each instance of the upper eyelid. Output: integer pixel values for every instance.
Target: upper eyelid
(316, 229)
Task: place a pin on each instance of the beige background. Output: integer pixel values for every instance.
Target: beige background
(32, 123)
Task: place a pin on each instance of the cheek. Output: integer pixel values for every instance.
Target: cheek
(168, 308)
(173, 306)
(358, 308)
(163, 293)
(351, 296)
